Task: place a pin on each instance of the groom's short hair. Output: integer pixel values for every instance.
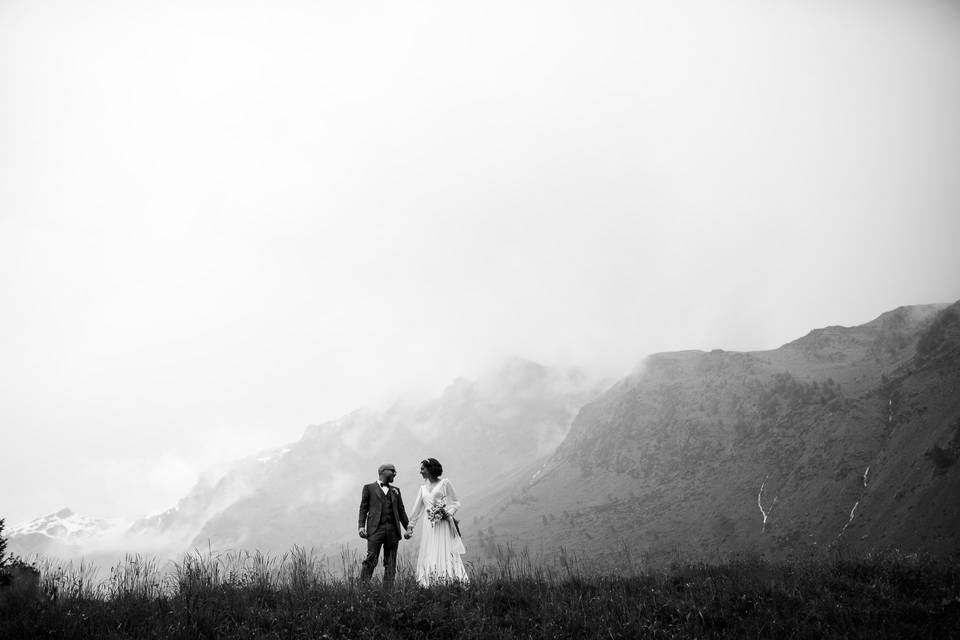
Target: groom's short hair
(386, 466)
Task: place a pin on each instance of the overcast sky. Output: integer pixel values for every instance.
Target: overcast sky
(223, 221)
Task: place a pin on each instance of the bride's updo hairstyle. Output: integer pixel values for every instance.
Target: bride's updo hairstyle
(433, 467)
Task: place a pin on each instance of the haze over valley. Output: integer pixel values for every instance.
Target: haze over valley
(846, 436)
(250, 251)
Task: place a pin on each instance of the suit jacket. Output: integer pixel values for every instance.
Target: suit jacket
(372, 500)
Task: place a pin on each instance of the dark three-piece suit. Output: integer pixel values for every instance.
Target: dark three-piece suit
(385, 520)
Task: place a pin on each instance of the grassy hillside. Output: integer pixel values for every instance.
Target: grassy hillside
(301, 595)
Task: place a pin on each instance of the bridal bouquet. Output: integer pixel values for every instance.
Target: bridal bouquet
(437, 512)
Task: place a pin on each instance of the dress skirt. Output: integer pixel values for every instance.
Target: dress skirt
(439, 560)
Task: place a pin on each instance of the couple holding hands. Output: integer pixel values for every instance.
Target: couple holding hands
(383, 521)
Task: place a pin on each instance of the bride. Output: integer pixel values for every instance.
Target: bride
(438, 561)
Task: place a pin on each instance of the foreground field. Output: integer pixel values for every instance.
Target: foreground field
(298, 595)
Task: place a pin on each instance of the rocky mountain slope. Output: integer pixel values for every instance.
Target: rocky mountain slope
(307, 493)
(846, 438)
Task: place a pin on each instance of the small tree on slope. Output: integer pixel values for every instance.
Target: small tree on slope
(3, 547)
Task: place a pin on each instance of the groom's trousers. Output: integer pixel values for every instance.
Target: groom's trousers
(387, 537)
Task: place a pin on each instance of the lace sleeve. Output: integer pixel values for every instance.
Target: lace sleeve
(450, 494)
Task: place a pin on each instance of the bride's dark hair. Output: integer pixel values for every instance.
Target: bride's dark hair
(433, 467)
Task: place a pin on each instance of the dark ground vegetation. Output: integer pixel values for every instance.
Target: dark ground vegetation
(297, 595)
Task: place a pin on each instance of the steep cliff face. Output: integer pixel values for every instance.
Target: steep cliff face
(174, 529)
(846, 436)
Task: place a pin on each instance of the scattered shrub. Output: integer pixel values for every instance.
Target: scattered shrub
(942, 458)
(3, 546)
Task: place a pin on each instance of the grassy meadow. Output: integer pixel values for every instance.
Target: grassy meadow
(302, 594)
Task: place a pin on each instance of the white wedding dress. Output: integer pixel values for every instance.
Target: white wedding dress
(438, 561)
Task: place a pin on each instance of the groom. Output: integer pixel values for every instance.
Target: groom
(382, 521)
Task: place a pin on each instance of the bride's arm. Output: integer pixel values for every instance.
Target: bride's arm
(453, 505)
(417, 510)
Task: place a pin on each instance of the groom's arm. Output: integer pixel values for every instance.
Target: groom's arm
(364, 508)
(402, 512)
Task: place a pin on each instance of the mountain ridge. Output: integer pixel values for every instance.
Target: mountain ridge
(681, 449)
(843, 437)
